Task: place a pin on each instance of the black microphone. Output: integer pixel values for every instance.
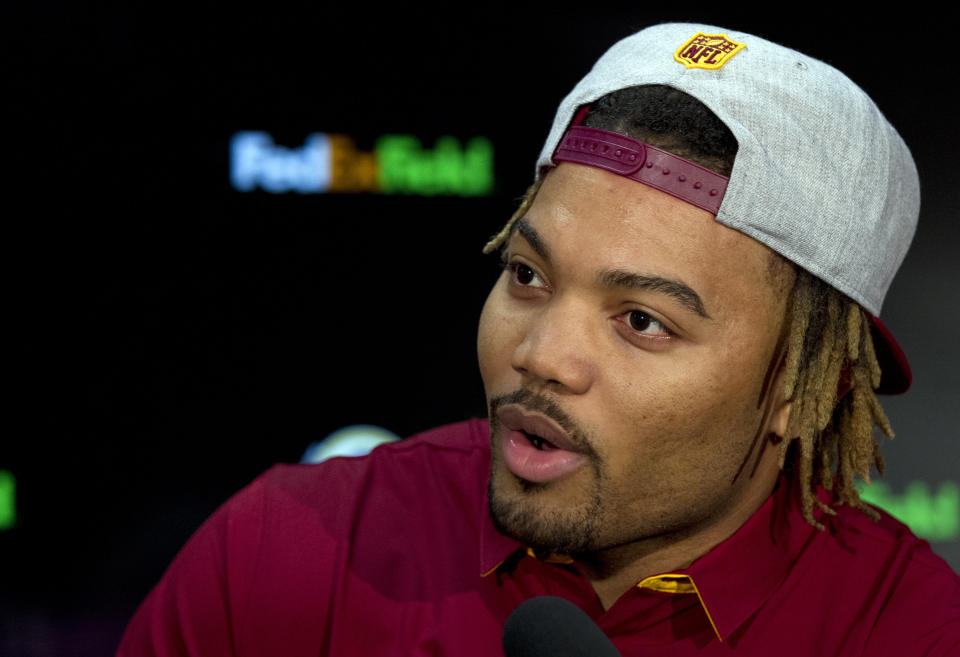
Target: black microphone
(556, 627)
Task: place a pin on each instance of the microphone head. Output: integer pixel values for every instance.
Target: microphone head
(552, 626)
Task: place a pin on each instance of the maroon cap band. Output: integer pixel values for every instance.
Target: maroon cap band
(644, 163)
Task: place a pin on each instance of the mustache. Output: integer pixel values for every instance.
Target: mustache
(534, 402)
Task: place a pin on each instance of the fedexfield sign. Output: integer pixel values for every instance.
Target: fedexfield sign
(329, 163)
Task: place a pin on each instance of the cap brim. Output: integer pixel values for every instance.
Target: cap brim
(895, 375)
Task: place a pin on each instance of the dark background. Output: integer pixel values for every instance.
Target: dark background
(178, 337)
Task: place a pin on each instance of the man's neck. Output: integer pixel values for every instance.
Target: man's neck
(614, 571)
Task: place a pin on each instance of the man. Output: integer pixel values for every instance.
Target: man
(680, 360)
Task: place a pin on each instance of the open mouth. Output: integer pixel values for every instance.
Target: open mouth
(535, 447)
(533, 458)
(539, 442)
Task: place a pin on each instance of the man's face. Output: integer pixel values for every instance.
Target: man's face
(638, 335)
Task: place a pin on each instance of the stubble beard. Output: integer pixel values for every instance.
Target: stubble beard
(547, 531)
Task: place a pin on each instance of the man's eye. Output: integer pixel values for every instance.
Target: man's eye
(643, 323)
(523, 274)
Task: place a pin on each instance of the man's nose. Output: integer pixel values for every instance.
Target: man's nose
(556, 348)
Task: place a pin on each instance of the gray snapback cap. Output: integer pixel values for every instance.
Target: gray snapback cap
(820, 175)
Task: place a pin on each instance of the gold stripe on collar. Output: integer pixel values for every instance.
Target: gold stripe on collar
(678, 583)
(551, 558)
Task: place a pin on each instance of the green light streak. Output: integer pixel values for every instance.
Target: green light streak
(935, 517)
(405, 167)
(8, 509)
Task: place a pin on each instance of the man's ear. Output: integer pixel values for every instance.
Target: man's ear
(779, 415)
(780, 412)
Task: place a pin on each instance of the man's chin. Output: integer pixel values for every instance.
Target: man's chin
(527, 512)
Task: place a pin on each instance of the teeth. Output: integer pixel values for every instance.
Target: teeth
(536, 440)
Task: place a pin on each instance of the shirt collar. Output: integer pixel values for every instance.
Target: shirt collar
(737, 576)
(734, 578)
(494, 546)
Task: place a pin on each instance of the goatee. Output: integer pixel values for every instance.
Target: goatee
(519, 513)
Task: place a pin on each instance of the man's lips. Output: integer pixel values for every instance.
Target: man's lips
(523, 453)
(515, 417)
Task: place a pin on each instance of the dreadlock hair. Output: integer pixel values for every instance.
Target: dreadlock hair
(830, 374)
(830, 367)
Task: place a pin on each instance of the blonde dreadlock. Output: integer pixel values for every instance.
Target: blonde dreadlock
(500, 238)
(829, 349)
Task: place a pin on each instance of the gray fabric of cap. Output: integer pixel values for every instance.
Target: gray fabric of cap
(820, 176)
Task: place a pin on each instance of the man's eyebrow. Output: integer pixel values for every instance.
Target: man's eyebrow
(678, 291)
(533, 238)
(614, 278)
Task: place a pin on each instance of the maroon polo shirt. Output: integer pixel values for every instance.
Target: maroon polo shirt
(394, 554)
